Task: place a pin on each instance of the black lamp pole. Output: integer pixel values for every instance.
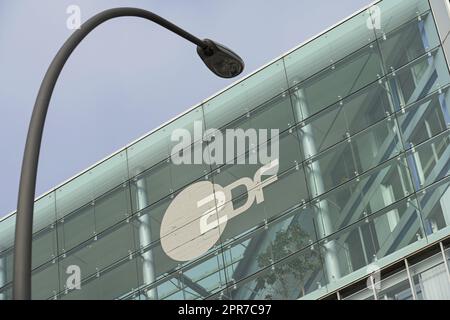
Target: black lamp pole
(219, 59)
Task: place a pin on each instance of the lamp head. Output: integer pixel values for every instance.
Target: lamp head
(220, 60)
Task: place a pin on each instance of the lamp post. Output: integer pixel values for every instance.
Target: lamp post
(219, 59)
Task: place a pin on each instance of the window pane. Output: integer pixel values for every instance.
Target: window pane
(289, 186)
(44, 230)
(245, 96)
(157, 146)
(110, 284)
(273, 114)
(331, 168)
(99, 252)
(345, 118)
(112, 207)
(377, 189)
(269, 243)
(429, 161)
(372, 239)
(329, 48)
(367, 106)
(409, 41)
(419, 78)
(291, 278)
(76, 228)
(92, 184)
(392, 14)
(435, 207)
(425, 119)
(176, 286)
(163, 179)
(352, 73)
(7, 227)
(44, 282)
(376, 144)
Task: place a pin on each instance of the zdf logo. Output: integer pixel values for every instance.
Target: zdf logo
(196, 218)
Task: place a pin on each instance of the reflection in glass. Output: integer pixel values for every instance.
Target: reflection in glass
(371, 239)
(430, 279)
(435, 206)
(291, 278)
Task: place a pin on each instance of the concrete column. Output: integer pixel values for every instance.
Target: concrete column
(314, 175)
(145, 238)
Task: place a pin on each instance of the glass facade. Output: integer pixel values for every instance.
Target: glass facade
(364, 120)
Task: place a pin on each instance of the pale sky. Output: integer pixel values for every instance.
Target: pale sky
(128, 76)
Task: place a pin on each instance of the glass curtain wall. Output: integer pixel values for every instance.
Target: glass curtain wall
(363, 115)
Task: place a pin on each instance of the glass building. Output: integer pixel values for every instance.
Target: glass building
(360, 208)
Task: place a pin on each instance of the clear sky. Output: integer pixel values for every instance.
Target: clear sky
(128, 76)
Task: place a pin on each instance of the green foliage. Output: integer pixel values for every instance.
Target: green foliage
(289, 275)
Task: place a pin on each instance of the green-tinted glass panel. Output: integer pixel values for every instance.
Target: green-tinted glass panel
(44, 237)
(44, 282)
(419, 78)
(345, 118)
(208, 274)
(113, 283)
(174, 246)
(158, 146)
(183, 174)
(112, 207)
(273, 114)
(425, 118)
(248, 165)
(168, 176)
(92, 184)
(6, 293)
(7, 227)
(372, 239)
(409, 41)
(376, 144)
(269, 243)
(75, 228)
(44, 230)
(148, 152)
(388, 15)
(254, 151)
(262, 203)
(170, 288)
(367, 106)
(245, 96)
(329, 48)
(205, 275)
(429, 162)
(435, 206)
(363, 196)
(99, 252)
(291, 278)
(352, 73)
(44, 246)
(331, 168)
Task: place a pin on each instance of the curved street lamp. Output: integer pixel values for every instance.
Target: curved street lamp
(219, 59)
